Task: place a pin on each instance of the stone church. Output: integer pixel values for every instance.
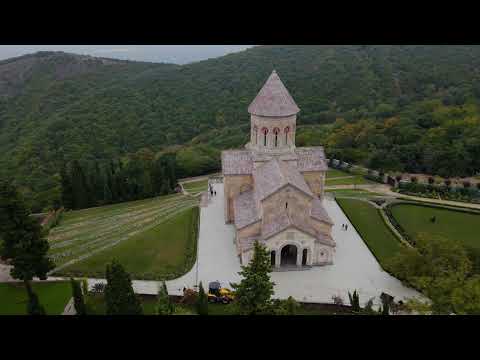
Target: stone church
(274, 190)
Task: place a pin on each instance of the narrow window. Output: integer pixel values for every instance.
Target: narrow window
(255, 134)
(286, 205)
(265, 132)
(286, 131)
(276, 131)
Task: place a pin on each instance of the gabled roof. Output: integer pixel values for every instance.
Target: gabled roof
(319, 213)
(274, 175)
(273, 99)
(245, 209)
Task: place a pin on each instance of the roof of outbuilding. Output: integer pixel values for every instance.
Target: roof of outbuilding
(273, 100)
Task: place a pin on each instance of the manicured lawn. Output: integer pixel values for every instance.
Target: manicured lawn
(92, 231)
(54, 296)
(450, 224)
(355, 179)
(353, 193)
(332, 173)
(371, 227)
(165, 251)
(196, 187)
(96, 305)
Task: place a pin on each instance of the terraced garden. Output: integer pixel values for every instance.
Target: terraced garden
(195, 187)
(143, 235)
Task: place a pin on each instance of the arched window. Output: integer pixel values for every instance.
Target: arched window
(264, 132)
(286, 205)
(286, 131)
(276, 131)
(255, 134)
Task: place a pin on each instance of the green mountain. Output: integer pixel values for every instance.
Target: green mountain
(411, 108)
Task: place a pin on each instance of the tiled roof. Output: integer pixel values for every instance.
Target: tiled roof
(319, 213)
(245, 209)
(273, 99)
(275, 174)
(237, 162)
(311, 159)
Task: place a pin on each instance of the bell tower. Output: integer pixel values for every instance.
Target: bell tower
(273, 118)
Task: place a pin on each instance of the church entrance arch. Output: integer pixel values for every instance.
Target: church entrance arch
(288, 255)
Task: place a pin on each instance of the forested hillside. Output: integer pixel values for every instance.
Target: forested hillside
(412, 108)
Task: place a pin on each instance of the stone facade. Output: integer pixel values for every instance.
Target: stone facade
(273, 190)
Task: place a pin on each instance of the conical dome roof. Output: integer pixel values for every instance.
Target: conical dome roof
(273, 100)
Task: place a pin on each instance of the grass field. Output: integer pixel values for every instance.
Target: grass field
(332, 173)
(125, 230)
(354, 179)
(353, 193)
(371, 227)
(54, 296)
(165, 251)
(450, 224)
(196, 187)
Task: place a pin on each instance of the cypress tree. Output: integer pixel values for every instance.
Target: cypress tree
(23, 242)
(78, 299)
(120, 298)
(354, 301)
(164, 304)
(202, 301)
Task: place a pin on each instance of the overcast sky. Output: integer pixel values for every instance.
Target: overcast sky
(178, 54)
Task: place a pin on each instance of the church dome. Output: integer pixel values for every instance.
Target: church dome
(273, 100)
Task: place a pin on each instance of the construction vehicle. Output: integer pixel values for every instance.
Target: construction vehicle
(217, 294)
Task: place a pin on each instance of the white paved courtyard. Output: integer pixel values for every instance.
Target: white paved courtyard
(354, 265)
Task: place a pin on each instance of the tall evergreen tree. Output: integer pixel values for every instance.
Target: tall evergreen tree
(254, 292)
(120, 298)
(164, 304)
(78, 299)
(23, 241)
(202, 301)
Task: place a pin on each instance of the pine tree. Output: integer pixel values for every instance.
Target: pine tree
(78, 299)
(23, 241)
(120, 298)
(202, 301)
(254, 292)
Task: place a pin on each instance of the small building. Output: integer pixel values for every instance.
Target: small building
(274, 190)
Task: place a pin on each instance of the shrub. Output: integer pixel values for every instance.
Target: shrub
(398, 178)
(431, 180)
(354, 301)
(414, 179)
(202, 301)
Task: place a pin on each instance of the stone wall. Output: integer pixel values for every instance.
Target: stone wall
(233, 185)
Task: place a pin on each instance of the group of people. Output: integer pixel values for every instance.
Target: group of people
(345, 227)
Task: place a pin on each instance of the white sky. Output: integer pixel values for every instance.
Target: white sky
(179, 54)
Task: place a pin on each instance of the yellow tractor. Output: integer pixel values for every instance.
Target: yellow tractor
(217, 294)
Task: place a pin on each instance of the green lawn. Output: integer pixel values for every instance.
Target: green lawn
(92, 231)
(196, 187)
(54, 296)
(332, 173)
(450, 224)
(353, 193)
(371, 227)
(355, 179)
(165, 251)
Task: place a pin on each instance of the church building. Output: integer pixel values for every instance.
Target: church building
(274, 190)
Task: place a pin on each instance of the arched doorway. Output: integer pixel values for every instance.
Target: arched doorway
(289, 255)
(273, 255)
(304, 257)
